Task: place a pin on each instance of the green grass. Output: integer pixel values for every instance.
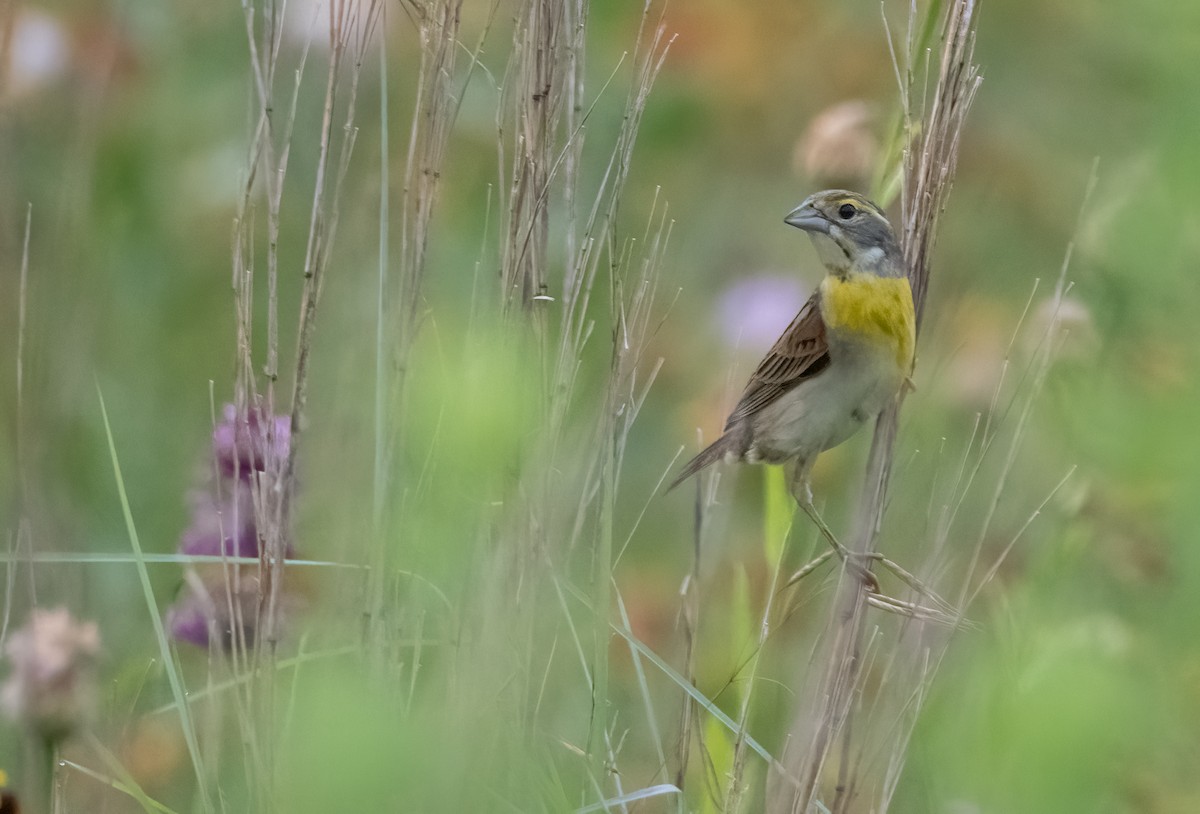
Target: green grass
(495, 606)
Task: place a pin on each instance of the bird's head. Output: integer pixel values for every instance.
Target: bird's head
(850, 233)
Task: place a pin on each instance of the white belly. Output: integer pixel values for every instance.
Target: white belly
(824, 411)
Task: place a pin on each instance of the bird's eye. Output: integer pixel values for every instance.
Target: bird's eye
(847, 211)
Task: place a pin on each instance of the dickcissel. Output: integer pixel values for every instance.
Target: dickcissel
(843, 358)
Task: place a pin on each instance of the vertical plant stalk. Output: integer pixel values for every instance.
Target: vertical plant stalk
(541, 125)
(351, 26)
(270, 148)
(631, 294)
(375, 578)
(22, 501)
(576, 17)
(539, 85)
(528, 128)
(22, 296)
(434, 113)
(689, 620)
(268, 158)
(824, 725)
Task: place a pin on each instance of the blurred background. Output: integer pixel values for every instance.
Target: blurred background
(123, 138)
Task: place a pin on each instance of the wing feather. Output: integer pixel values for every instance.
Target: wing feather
(800, 353)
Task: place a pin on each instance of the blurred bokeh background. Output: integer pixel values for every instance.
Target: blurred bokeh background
(124, 132)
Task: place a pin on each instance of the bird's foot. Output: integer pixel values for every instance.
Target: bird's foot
(862, 570)
(932, 607)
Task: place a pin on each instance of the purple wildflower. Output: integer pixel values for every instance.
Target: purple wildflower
(754, 311)
(249, 450)
(230, 520)
(251, 443)
(203, 614)
(188, 619)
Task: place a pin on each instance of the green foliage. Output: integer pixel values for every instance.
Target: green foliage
(468, 681)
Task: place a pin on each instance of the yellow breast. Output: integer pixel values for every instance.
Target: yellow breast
(872, 308)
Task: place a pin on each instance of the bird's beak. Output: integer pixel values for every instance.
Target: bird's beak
(806, 217)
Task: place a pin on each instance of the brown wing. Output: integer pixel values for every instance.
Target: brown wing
(800, 353)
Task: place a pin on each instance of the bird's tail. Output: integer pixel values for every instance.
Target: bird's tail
(711, 454)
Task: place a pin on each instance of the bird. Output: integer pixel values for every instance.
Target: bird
(840, 362)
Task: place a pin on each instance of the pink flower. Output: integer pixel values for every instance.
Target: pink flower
(52, 687)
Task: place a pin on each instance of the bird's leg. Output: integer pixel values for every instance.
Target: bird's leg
(941, 611)
(802, 493)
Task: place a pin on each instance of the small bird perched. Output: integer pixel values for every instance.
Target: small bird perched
(841, 361)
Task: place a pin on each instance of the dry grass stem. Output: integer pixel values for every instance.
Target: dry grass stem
(823, 727)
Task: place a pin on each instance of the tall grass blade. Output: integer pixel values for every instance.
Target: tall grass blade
(160, 634)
